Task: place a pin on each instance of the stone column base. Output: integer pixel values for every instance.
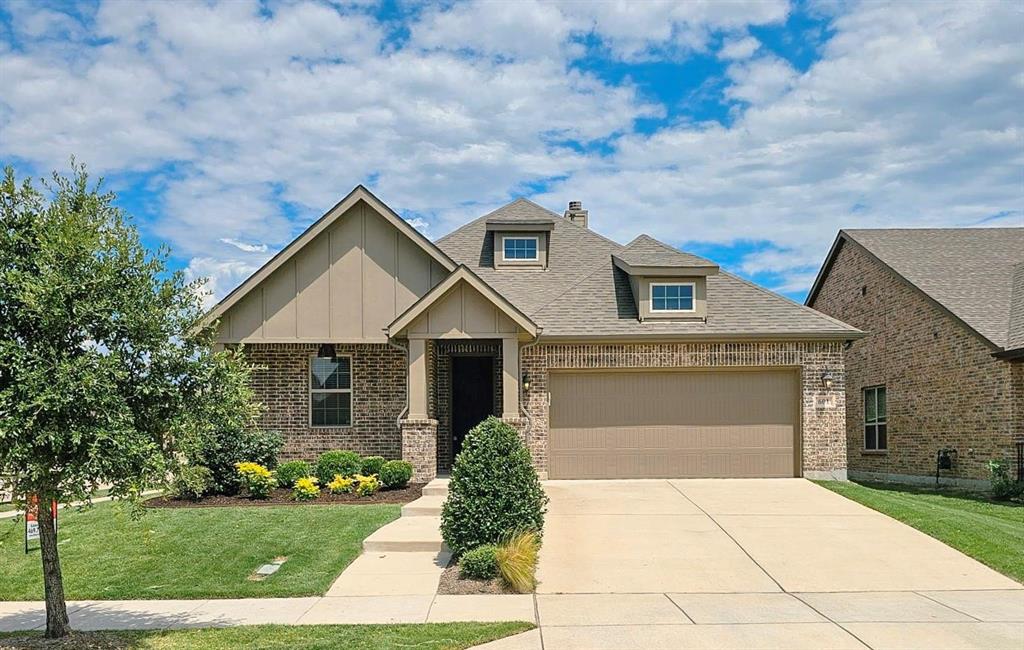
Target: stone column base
(419, 447)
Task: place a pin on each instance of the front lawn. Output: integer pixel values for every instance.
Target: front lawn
(431, 636)
(989, 531)
(192, 552)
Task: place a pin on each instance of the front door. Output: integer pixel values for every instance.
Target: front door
(472, 396)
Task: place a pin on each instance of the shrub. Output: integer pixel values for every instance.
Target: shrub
(395, 474)
(479, 563)
(493, 490)
(306, 488)
(191, 482)
(332, 463)
(1003, 485)
(366, 485)
(372, 465)
(257, 480)
(341, 485)
(293, 470)
(516, 557)
(220, 451)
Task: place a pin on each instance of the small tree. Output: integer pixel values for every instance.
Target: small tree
(104, 368)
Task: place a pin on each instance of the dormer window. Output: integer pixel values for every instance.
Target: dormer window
(520, 248)
(672, 297)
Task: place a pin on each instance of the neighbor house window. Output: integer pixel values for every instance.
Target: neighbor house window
(672, 297)
(330, 391)
(875, 434)
(520, 248)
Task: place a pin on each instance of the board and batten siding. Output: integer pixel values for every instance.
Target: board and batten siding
(344, 286)
(463, 312)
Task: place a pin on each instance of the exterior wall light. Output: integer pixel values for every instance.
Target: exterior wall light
(326, 351)
(826, 380)
(526, 381)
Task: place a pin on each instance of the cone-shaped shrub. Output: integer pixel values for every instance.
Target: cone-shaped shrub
(493, 491)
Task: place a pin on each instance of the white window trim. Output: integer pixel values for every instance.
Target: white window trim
(311, 390)
(693, 297)
(535, 258)
(864, 422)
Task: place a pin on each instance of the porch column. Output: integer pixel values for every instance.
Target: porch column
(417, 379)
(510, 378)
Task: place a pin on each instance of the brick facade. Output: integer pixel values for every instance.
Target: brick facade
(823, 445)
(944, 388)
(379, 373)
(378, 398)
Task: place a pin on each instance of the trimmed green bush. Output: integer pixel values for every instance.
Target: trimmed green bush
(480, 563)
(395, 474)
(1004, 487)
(220, 451)
(191, 482)
(494, 490)
(334, 463)
(293, 470)
(372, 465)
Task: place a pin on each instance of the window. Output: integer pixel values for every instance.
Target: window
(875, 433)
(520, 248)
(672, 297)
(330, 391)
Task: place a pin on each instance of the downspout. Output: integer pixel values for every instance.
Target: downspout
(405, 411)
(522, 409)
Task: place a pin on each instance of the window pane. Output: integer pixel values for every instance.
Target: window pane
(330, 373)
(883, 438)
(870, 411)
(658, 291)
(332, 409)
(659, 303)
(880, 391)
(520, 249)
(870, 437)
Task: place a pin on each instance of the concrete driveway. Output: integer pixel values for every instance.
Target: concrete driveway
(756, 564)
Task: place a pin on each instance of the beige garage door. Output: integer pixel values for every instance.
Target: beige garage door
(684, 424)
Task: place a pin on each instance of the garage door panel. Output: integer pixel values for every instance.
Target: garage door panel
(660, 424)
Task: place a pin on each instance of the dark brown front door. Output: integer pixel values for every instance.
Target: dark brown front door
(472, 395)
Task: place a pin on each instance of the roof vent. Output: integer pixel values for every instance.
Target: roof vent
(576, 213)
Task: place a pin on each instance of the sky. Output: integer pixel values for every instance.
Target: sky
(746, 132)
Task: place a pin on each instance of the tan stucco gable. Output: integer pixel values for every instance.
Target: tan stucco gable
(462, 306)
(343, 280)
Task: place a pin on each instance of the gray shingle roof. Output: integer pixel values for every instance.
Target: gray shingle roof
(1015, 335)
(583, 294)
(969, 271)
(648, 251)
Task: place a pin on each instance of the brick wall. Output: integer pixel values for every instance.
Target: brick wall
(822, 411)
(944, 388)
(378, 398)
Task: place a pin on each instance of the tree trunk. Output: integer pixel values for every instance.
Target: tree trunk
(53, 584)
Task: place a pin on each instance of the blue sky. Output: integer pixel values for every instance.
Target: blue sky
(747, 132)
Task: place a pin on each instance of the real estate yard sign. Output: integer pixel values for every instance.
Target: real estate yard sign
(32, 519)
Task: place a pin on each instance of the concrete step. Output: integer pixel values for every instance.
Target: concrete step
(427, 506)
(437, 487)
(412, 534)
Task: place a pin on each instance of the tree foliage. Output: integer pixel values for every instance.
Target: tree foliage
(105, 369)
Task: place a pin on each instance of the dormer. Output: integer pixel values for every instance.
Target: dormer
(520, 243)
(667, 284)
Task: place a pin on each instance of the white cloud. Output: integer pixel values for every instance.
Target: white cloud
(219, 276)
(734, 49)
(244, 247)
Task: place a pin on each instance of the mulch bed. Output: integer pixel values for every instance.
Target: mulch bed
(283, 497)
(453, 584)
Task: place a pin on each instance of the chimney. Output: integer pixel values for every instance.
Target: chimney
(576, 213)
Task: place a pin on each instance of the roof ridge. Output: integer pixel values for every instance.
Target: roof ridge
(779, 296)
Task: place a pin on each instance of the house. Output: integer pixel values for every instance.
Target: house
(611, 361)
(943, 365)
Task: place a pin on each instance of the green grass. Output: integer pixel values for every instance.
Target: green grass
(192, 552)
(431, 636)
(989, 531)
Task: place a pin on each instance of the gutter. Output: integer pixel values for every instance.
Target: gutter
(522, 409)
(405, 409)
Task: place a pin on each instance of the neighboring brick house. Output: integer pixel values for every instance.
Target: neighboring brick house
(611, 361)
(942, 366)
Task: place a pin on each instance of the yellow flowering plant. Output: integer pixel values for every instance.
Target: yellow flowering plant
(366, 485)
(341, 485)
(257, 480)
(306, 488)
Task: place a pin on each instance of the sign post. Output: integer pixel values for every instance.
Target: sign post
(32, 518)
